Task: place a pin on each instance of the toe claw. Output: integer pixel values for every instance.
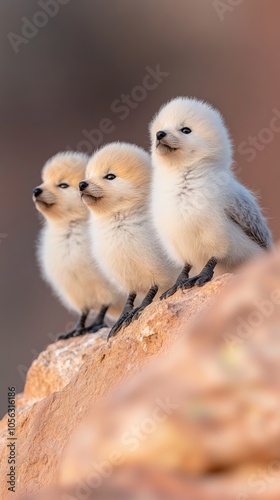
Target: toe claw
(62, 337)
(131, 317)
(114, 330)
(66, 336)
(169, 292)
(117, 326)
(189, 284)
(202, 280)
(124, 322)
(73, 334)
(136, 314)
(95, 328)
(112, 333)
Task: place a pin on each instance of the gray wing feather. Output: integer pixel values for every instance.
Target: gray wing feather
(242, 208)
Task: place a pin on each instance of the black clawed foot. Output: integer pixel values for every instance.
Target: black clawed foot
(205, 275)
(184, 282)
(136, 313)
(126, 320)
(170, 291)
(75, 333)
(95, 327)
(128, 308)
(99, 321)
(129, 315)
(183, 276)
(133, 316)
(199, 280)
(189, 283)
(79, 330)
(118, 325)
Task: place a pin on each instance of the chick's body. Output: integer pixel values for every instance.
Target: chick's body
(200, 210)
(117, 190)
(64, 248)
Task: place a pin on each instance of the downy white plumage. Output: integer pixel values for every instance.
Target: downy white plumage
(117, 189)
(204, 217)
(64, 249)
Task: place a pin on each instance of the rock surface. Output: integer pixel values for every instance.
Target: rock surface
(183, 404)
(57, 365)
(70, 376)
(205, 420)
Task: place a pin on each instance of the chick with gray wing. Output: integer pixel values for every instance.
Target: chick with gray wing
(204, 217)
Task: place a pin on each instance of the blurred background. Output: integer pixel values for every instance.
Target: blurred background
(67, 65)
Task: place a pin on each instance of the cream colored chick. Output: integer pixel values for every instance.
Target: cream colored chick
(116, 190)
(203, 215)
(64, 249)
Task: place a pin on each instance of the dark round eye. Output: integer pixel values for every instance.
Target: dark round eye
(110, 177)
(63, 185)
(186, 130)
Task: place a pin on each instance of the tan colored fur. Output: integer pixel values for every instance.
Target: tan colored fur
(126, 246)
(64, 248)
(195, 190)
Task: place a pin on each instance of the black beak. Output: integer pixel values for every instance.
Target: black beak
(83, 185)
(160, 135)
(37, 191)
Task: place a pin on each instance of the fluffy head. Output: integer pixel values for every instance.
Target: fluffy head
(117, 177)
(192, 133)
(60, 199)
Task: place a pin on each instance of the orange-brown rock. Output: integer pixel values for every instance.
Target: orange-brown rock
(71, 376)
(208, 411)
(182, 404)
(57, 365)
(133, 484)
(201, 422)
